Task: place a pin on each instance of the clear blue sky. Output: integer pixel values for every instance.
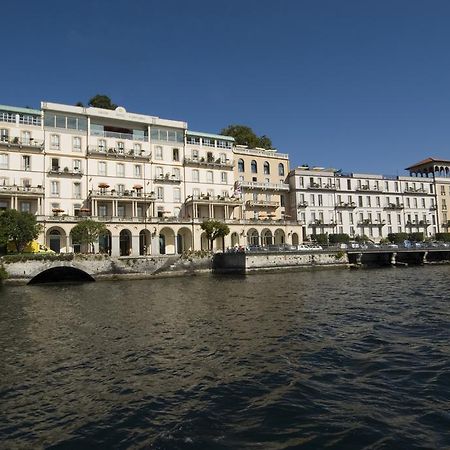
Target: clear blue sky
(357, 85)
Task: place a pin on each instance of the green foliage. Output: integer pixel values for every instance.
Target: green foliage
(87, 232)
(3, 273)
(321, 239)
(214, 229)
(397, 238)
(443, 237)
(339, 255)
(339, 238)
(416, 236)
(18, 227)
(8, 259)
(102, 101)
(361, 239)
(384, 241)
(244, 135)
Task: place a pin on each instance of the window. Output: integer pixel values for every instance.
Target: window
(159, 172)
(195, 175)
(196, 193)
(26, 182)
(320, 200)
(223, 177)
(120, 211)
(158, 152)
(55, 164)
(254, 166)
(54, 188)
(26, 162)
(209, 176)
(76, 144)
(120, 188)
(25, 137)
(4, 135)
(349, 185)
(241, 165)
(176, 195)
(210, 193)
(54, 142)
(193, 140)
(120, 170)
(176, 173)
(101, 145)
(223, 158)
(102, 210)
(120, 147)
(76, 190)
(138, 171)
(160, 193)
(25, 207)
(137, 149)
(195, 155)
(175, 154)
(266, 168)
(281, 170)
(102, 168)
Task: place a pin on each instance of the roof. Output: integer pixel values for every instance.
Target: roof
(20, 110)
(428, 161)
(209, 135)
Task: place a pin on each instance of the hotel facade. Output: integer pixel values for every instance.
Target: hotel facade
(153, 181)
(150, 180)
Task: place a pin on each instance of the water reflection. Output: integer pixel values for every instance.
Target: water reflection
(305, 359)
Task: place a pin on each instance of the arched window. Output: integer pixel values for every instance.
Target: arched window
(281, 170)
(266, 168)
(254, 166)
(241, 166)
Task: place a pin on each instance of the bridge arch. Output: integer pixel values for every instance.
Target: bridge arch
(60, 273)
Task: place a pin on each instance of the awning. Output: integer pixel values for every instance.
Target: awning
(103, 185)
(137, 186)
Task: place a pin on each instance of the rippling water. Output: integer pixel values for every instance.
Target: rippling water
(318, 359)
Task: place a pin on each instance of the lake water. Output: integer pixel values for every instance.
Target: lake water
(334, 359)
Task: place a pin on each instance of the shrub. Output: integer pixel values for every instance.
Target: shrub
(397, 238)
(339, 238)
(443, 237)
(321, 239)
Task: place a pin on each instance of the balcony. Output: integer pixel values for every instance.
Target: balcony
(125, 136)
(415, 191)
(56, 171)
(368, 188)
(342, 205)
(322, 223)
(263, 152)
(209, 162)
(167, 178)
(324, 187)
(418, 223)
(21, 190)
(207, 199)
(16, 144)
(371, 223)
(265, 186)
(392, 206)
(116, 153)
(125, 195)
(302, 205)
(263, 203)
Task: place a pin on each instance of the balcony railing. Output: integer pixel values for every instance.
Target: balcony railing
(394, 206)
(66, 171)
(209, 162)
(265, 186)
(327, 187)
(371, 223)
(252, 151)
(302, 205)
(125, 136)
(116, 152)
(342, 205)
(127, 194)
(213, 199)
(322, 223)
(368, 188)
(418, 223)
(167, 178)
(21, 190)
(263, 203)
(415, 191)
(27, 143)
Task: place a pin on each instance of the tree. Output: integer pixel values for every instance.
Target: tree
(18, 228)
(101, 101)
(244, 135)
(213, 230)
(87, 232)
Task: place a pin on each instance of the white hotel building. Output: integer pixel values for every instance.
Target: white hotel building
(327, 201)
(151, 180)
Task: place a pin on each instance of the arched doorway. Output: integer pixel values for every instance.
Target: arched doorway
(234, 239)
(144, 242)
(252, 237)
(204, 243)
(125, 243)
(56, 239)
(104, 243)
(294, 239)
(184, 240)
(279, 237)
(266, 238)
(167, 241)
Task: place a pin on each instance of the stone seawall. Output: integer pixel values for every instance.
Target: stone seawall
(251, 262)
(100, 267)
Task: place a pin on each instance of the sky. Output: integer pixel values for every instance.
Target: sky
(357, 85)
